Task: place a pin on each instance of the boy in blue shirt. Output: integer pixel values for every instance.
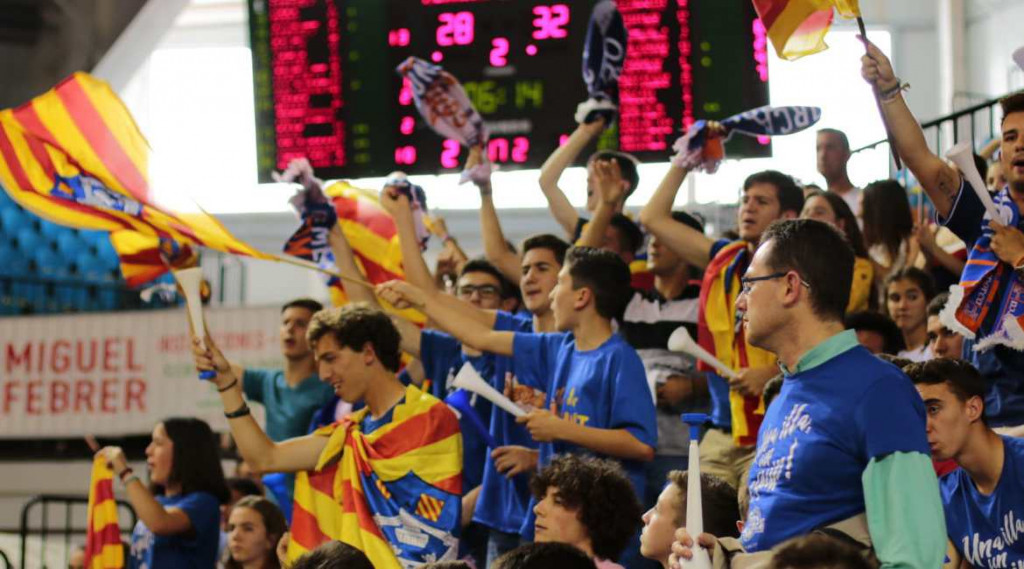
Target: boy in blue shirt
(984, 498)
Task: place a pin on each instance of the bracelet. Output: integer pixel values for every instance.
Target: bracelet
(233, 383)
(127, 471)
(125, 482)
(240, 412)
(890, 94)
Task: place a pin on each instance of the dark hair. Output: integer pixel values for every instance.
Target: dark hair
(962, 378)
(892, 338)
(936, 304)
(273, 521)
(355, 325)
(822, 257)
(600, 493)
(688, 219)
(556, 245)
(333, 555)
(980, 163)
(195, 459)
(920, 277)
(244, 486)
(719, 501)
(605, 274)
(544, 556)
(887, 218)
(629, 232)
(772, 388)
(480, 265)
(627, 165)
(791, 197)
(845, 142)
(818, 551)
(843, 213)
(1012, 103)
(309, 304)
(897, 361)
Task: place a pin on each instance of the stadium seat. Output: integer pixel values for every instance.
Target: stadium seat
(13, 219)
(29, 240)
(70, 244)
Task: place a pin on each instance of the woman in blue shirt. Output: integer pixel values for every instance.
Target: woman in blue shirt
(179, 514)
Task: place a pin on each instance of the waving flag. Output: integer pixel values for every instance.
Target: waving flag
(145, 258)
(798, 27)
(75, 156)
(443, 102)
(103, 534)
(604, 54)
(394, 494)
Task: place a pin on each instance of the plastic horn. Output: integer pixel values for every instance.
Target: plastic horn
(680, 341)
(694, 509)
(189, 280)
(470, 380)
(963, 157)
(1018, 57)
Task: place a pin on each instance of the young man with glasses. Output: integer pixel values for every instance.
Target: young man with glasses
(843, 445)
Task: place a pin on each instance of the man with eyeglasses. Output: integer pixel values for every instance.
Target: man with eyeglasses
(843, 445)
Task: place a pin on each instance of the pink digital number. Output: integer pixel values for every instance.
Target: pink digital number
(520, 149)
(761, 49)
(399, 37)
(499, 52)
(405, 155)
(450, 153)
(550, 21)
(407, 125)
(456, 28)
(497, 149)
(405, 94)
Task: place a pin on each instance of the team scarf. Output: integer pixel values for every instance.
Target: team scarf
(720, 332)
(987, 283)
(103, 548)
(394, 494)
(604, 54)
(443, 103)
(699, 149)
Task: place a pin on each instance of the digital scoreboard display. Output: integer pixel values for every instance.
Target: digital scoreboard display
(326, 87)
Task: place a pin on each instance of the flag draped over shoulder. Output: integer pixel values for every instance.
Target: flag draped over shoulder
(798, 27)
(75, 156)
(103, 535)
(394, 494)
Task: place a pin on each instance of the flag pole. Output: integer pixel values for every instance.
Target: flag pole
(313, 266)
(878, 102)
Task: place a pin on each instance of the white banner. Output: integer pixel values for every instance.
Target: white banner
(119, 373)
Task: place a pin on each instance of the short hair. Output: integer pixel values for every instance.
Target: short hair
(938, 303)
(627, 165)
(962, 378)
(850, 225)
(333, 555)
(719, 501)
(601, 494)
(605, 274)
(506, 288)
(195, 458)
(868, 320)
(822, 257)
(843, 140)
(818, 551)
(897, 361)
(688, 219)
(632, 237)
(273, 521)
(309, 304)
(244, 486)
(1012, 103)
(544, 556)
(789, 194)
(355, 325)
(556, 245)
(920, 277)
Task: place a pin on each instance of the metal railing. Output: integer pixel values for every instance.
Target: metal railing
(60, 527)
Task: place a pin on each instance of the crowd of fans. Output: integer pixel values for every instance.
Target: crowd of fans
(817, 453)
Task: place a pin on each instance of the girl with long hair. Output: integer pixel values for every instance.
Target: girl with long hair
(255, 526)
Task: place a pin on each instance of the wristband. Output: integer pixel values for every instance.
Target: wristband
(233, 383)
(124, 473)
(240, 412)
(890, 94)
(125, 482)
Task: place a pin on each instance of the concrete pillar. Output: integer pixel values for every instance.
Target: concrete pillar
(952, 27)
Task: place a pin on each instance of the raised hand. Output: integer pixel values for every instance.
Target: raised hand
(401, 294)
(876, 68)
(608, 181)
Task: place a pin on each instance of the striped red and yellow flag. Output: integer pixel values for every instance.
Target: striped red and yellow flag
(798, 27)
(146, 257)
(393, 494)
(103, 548)
(75, 156)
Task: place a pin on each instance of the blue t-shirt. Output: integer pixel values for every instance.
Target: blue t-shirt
(604, 388)
(289, 409)
(988, 531)
(442, 358)
(1001, 366)
(195, 549)
(503, 501)
(817, 438)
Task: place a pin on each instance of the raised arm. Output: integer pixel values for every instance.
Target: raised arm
(495, 248)
(160, 520)
(610, 186)
(453, 319)
(938, 179)
(345, 260)
(416, 270)
(565, 214)
(692, 245)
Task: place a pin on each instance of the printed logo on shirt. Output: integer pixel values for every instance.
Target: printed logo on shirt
(992, 553)
(569, 402)
(523, 395)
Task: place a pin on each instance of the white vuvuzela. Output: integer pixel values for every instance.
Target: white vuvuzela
(470, 380)
(190, 281)
(680, 341)
(694, 508)
(963, 156)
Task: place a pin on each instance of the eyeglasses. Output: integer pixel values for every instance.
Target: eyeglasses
(485, 291)
(747, 283)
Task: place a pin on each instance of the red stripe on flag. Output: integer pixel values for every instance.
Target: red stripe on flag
(438, 422)
(103, 490)
(96, 132)
(323, 481)
(9, 156)
(451, 485)
(376, 273)
(305, 529)
(353, 503)
(769, 10)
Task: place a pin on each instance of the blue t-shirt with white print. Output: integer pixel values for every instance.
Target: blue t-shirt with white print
(988, 531)
(818, 437)
(194, 549)
(604, 388)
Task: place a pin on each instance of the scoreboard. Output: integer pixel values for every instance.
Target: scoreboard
(326, 87)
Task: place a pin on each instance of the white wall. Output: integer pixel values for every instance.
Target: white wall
(992, 36)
